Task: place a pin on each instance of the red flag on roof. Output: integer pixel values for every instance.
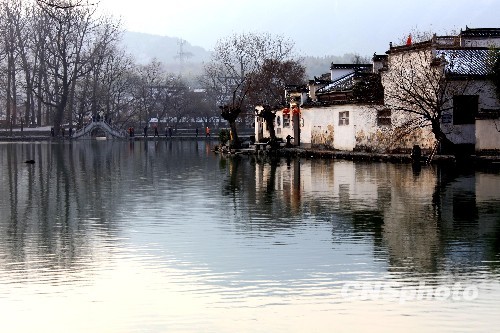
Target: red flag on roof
(408, 41)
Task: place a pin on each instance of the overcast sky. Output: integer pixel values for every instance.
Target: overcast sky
(318, 28)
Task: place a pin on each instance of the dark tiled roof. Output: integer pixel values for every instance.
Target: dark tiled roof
(359, 67)
(379, 57)
(344, 83)
(466, 62)
(413, 46)
(480, 32)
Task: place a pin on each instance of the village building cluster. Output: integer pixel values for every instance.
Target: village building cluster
(423, 93)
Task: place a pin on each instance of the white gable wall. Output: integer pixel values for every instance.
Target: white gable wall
(487, 134)
(338, 73)
(480, 42)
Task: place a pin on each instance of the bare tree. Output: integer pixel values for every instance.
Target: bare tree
(149, 89)
(235, 60)
(419, 84)
(9, 55)
(179, 101)
(269, 82)
(74, 42)
(202, 107)
(116, 79)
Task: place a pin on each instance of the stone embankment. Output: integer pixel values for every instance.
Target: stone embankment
(489, 161)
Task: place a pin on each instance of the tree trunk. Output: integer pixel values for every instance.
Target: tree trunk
(446, 144)
(9, 94)
(61, 107)
(234, 133)
(270, 127)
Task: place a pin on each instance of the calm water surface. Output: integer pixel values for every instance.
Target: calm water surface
(162, 236)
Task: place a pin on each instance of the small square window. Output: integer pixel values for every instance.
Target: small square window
(384, 117)
(344, 118)
(286, 120)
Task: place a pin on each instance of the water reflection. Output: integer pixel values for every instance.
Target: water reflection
(419, 221)
(181, 231)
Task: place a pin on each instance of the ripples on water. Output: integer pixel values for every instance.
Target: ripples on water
(166, 236)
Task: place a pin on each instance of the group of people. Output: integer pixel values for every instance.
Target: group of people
(168, 131)
(63, 132)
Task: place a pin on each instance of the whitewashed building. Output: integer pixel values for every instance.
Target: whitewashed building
(353, 109)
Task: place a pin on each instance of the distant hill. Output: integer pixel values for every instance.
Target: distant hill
(146, 47)
(315, 66)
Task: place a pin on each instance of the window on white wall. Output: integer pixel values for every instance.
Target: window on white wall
(343, 118)
(286, 120)
(465, 108)
(384, 117)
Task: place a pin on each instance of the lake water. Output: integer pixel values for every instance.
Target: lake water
(157, 236)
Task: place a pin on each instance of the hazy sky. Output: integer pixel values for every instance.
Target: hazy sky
(320, 27)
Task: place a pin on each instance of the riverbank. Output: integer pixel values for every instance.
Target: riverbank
(33, 135)
(315, 153)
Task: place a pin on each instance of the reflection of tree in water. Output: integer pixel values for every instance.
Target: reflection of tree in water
(414, 219)
(413, 227)
(271, 182)
(63, 209)
(233, 185)
(264, 191)
(66, 204)
(371, 223)
(49, 198)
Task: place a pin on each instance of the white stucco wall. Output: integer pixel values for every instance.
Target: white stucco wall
(481, 42)
(319, 126)
(338, 73)
(487, 134)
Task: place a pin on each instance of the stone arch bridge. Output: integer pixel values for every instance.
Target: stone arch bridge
(99, 126)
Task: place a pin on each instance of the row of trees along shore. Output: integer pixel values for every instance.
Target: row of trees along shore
(61, 63)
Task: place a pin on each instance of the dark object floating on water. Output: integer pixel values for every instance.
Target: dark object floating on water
(30, 161)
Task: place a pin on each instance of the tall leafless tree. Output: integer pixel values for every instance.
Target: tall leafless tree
(418, 84)
(75, 43)
(236, 59)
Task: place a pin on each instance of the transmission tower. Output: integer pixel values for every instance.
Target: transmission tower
(182, 55)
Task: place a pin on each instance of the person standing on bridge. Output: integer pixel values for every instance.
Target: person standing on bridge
(146, 131)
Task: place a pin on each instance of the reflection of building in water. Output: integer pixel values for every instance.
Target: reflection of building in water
(470, 216)
(414, 218)
(388, 203)
(280, 182)
(409, 216)
(411, 232)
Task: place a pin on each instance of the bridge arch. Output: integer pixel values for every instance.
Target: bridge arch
(94, 126)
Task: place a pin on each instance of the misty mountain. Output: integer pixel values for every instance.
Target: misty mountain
(180, 57)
